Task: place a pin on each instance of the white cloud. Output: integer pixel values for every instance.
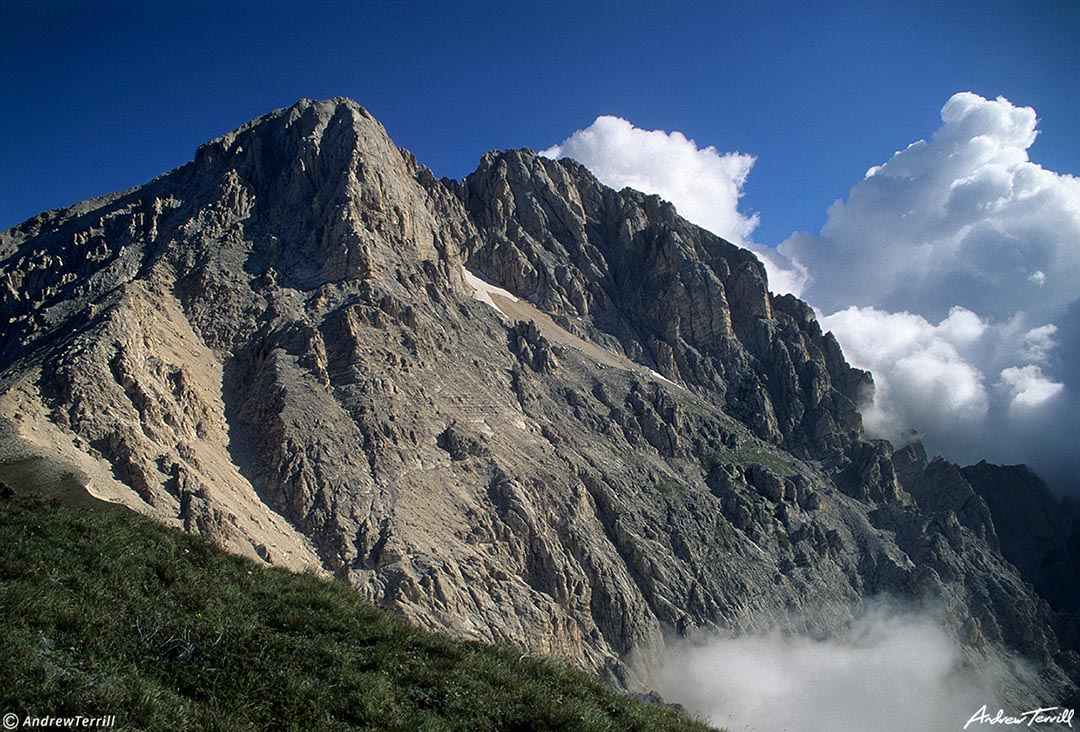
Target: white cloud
(923, 373)
(947, 380)
(890, 672)
(962, 219)
(1038, 342)
(1028, 388)
(786, 276)
(948, 272)
(704, 184)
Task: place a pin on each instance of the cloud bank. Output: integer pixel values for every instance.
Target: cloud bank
(951, 271)
(889, 672)
(962, 219)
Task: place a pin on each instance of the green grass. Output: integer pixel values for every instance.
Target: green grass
(713, 458)
(782, 539)
(772, 458)
(667, 487)
(106, 612)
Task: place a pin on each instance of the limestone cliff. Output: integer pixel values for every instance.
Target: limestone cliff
(523, 407)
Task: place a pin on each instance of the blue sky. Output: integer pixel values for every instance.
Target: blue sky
(100, 96)
(953, 272)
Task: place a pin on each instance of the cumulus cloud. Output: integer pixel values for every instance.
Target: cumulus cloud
(891, 671)
(949, 272)
(1027, 388)
(962, 219)
(704, 184)
(925, 363)
(956, 382)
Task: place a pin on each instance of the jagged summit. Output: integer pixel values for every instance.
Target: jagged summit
(314, 193)
(523, 407)
(624, 266)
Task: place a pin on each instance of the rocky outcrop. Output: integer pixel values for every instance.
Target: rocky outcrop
(949, 532)
(625, 269)
(1038, 532)
(615, 434)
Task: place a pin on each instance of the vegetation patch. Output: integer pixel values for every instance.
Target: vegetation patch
(105, 612)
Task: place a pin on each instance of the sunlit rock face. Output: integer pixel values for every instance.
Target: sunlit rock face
(523, 407)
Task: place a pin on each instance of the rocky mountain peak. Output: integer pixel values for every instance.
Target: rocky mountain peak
(305, 197)
(624, 269)
(523, 407)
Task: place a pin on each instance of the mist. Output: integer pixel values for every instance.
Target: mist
(891, 670)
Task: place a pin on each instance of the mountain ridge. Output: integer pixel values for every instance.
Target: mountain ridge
(278, 345)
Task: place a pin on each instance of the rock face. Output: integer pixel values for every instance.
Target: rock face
(1040, 535)
(625, 270)
(523, 407)
(1038, 532)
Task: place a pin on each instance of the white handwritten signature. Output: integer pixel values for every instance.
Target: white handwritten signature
(1045, 715)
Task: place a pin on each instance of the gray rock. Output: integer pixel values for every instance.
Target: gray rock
(276, 345)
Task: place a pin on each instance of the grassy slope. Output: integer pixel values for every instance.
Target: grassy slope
(106, 612)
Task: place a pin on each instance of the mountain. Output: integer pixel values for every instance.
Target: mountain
(522, 407)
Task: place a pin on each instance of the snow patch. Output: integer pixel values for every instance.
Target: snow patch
(483, 290)
(660, 377)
